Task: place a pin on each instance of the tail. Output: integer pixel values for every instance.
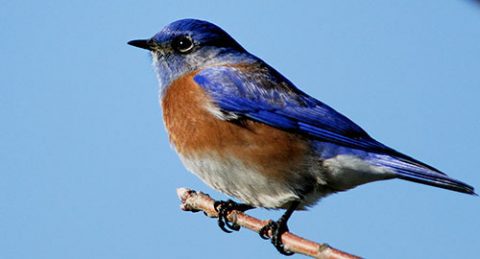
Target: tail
(409, 169)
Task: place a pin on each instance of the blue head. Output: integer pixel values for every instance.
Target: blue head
(187, 45)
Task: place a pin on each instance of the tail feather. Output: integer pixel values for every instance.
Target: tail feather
(414, 171)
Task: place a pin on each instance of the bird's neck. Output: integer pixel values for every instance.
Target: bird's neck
(170, 68)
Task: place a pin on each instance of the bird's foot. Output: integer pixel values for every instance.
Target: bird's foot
(224, 208)
(276, 228)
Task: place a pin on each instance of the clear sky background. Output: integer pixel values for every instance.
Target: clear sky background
(86, 170)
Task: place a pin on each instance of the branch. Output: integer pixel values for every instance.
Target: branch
(197, 201)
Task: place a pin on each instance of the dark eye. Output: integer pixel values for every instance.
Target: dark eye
(182, 44)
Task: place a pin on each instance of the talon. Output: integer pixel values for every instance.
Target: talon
(281, 249)
(277, 229)
(277, 239)
(224, 208)
(263, 232)
(220, 207)
(233, 226)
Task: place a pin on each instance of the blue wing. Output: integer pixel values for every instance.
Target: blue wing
(258, 92)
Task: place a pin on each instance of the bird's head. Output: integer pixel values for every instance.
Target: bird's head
(187, 45)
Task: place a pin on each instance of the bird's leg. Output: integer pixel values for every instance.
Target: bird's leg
(224, 208)
(278, 228)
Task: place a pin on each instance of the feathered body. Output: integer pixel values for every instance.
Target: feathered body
(248, 132)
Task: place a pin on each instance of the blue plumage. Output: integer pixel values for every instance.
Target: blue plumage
(244, 85)
(248, 132)
(263, 95)
(266, 96)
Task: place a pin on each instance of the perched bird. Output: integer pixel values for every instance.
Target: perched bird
(248, 132)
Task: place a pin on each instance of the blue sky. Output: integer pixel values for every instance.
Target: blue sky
(86, 170)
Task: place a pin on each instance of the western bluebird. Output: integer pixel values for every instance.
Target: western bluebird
(247, 131)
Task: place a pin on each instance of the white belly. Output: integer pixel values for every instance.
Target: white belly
(233, 177)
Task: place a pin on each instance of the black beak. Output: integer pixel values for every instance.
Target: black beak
(144, 44)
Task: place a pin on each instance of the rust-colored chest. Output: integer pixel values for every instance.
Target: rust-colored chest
(193, 129)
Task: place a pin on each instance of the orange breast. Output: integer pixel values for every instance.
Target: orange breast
(193, 129)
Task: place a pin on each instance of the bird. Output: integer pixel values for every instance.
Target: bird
(247, 131)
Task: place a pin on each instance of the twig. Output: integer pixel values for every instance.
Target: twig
(198, 201)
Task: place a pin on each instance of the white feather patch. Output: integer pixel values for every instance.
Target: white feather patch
(222, 115)
(348, 171)
(232, 177)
